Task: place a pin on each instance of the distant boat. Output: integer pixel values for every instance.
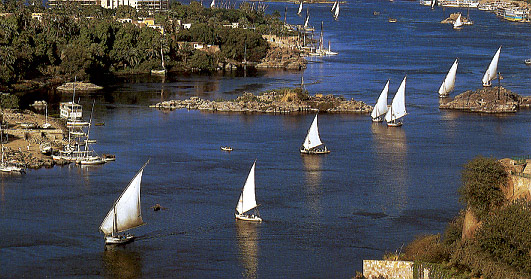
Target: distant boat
(6, 167)
(300, 9)
(247, 200)
(125, 214)
(458, 24)
(528, 61)
(491, 72)
(226, 148)
(398, 107)
(312, 143)
(448, 84)
(333, 7)
(380, 109)
(336, 11)
(213, 4)
(391, 20)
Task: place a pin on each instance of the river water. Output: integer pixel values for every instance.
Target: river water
(378, 188)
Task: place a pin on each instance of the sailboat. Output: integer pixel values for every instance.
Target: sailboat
(163, 71)
(378, 113)
(306, 21)
(336, 11)
(125, 213)
(398, 107)
(247, 200)
(448, 84)
(458, 24)
(46, 125)
(333, 7)
(490, 74)
(312, 143)
(213, 4)
(300, 9)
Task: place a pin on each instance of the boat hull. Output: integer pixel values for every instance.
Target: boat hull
(226, 148)
(116, 240)
(314, 151)
(245, 217)
(394, 124)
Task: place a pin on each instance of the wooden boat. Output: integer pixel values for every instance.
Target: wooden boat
(125, 213)
(226, 148)
(247, 200)
(380, 109)
(312, 143)
(398, 107)
(448, 83)
(492, 70)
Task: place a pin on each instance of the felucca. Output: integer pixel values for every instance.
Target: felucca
(300, 9)
(312, 143)
(125, 214)
(448, 83)
(490, 74)
(378, 113)
(398, 107)
(336, 11)
(247, 200)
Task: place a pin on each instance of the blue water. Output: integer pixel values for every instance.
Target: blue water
(378, 188)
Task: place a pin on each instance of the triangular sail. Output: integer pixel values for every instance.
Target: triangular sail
(381, 105)
(449, 82)
(300, 9)
(213, 4)
(333, 7)
(458, 23)
(307, 19)
(247, 199)
(126, 212)
(490, 74)
(312, 139)
(336, 12)
(398, 107)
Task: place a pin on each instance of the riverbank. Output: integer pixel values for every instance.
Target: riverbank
(282, 101)
(23, 138)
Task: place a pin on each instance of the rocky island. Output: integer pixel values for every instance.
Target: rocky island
(274, 101)
(487, 100)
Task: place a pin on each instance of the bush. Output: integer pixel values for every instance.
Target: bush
(482, 181)
(454, 230)
(426, 248)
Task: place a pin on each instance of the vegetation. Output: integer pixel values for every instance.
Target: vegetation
(89, 42)
(501, 244)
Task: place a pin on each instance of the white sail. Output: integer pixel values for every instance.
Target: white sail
(247, 199)
(336, 12)
(458, 23)
(381, 105)
(398, 107)
(213, 4)
(333, 7)
(449, 82)
(300, 9)
(306, 21)
(126, 212)
(490, 74)
(312, 139)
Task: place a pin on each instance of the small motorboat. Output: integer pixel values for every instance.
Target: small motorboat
(226, 148)
(392, 20)
(528, 61)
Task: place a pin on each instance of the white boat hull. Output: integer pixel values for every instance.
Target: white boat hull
(245, 217)
(91, 161)
(315, 151)
(394, 124)
(121, 239)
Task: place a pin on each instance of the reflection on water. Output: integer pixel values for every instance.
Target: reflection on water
(391, 152)
(313, 174)
(247, 235)
(118, 262)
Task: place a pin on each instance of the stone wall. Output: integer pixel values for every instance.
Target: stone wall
(387, 269)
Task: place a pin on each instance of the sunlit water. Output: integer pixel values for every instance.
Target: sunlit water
(378, 189)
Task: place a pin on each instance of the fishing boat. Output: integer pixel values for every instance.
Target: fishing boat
(312, 143)
(448, 83)
(491, 72)
(125, 213)
(380, 109)
(398, 107)
(247, 200)
(458, 24)
(226, 148)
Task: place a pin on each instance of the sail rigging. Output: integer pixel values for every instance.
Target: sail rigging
(398, 106)
(490, 74)
(381, 105)
(312, 138)
(448, 84)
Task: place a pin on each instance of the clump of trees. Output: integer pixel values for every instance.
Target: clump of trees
(89, 42)
(501, 244)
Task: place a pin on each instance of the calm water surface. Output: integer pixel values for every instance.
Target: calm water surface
(378, 189)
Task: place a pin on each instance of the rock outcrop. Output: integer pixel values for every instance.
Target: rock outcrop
(485, 100)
